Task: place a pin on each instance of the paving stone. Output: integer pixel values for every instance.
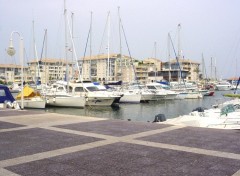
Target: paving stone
(30, 141)
(6, 125)
(108, 160)
(113, 127)
(204, 138)
(10, 112)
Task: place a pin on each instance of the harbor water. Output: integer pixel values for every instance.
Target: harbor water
(145, 112)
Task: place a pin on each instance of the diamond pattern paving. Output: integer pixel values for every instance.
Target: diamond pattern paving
(30, 141)
(113, 127)
(19, 112)
(6, 125)
(204, 138)
(129, 159)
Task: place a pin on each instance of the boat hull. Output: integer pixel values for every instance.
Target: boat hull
(193, 95)
(33, 104)
(99, 101)
(131, 98)
(76, 102)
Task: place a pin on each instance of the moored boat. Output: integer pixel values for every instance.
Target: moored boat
(31, 98)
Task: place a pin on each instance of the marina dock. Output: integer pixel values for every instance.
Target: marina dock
(35, 143)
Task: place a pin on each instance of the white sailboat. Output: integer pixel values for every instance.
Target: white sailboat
(187, 93)
(94, 95)
(31, 98)
(129, 95)
(59, 94)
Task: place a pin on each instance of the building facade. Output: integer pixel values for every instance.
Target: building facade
(114, 67)
(12, 73)
(51, 70)
(189, 70)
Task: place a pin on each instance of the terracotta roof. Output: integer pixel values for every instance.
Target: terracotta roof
(183, 61)
(233, 78)
(103, 56)
(49, 60)
(10, 66)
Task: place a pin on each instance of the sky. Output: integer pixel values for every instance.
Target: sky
(208, 28)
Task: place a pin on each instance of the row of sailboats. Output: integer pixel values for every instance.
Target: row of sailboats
(80, 94)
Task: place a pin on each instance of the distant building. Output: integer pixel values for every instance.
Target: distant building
(154, 69)
(190, 70)
(104, 68)
(50, 70)
(12, 73)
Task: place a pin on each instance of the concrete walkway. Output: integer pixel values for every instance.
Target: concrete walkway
(33, 143)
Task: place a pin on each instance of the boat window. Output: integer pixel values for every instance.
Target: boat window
(151, 87)
(158, 87)
(92, 88)
(227, 109)
(2, 93)
(60, 88)
(79, 89)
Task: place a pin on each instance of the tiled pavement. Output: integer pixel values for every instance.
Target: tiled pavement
(33, 143)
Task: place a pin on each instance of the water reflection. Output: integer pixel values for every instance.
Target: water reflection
(144, 111)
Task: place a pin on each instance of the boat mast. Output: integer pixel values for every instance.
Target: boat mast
(108, 49)
(211, 69)
(72, 15)
(215, 69)
(203, 69)
(155, 56)
(46, 80)
(120, 42)
(90, 72)
(37, 76)
(169, 59)
(179, 53)
(66, 44)
(44, 46)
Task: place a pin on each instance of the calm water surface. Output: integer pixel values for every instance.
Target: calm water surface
(145, 111)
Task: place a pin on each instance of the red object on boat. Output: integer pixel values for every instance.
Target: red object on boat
(210, 93)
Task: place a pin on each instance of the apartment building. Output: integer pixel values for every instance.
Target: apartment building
(154, 66)
(116, 67)
(12, 73)
(107, 68)
(50, 70)
(189, 69)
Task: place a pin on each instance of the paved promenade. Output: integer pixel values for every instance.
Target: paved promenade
(33, 143)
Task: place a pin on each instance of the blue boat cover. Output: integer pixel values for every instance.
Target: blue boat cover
(5, 94)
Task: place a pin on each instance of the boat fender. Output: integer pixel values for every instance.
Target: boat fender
(16, 105)
(199, 109)
(159, 118)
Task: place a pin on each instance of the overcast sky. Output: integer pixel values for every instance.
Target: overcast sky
(211, 27)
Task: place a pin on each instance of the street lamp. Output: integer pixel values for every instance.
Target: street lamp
(11, 51)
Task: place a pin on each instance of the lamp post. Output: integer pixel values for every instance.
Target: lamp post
(11, 51)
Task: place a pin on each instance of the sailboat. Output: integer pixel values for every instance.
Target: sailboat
(204, 91)
(130, 95)
(189, 94)
(31, 98)
(59, 94)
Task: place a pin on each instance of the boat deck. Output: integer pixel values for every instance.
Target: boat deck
(38, 143)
